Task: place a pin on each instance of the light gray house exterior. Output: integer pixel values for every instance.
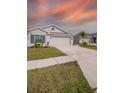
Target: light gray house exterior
(50, 34)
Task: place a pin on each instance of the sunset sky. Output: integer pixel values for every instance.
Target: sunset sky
(72, 16)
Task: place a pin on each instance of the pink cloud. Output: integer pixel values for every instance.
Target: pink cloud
(68, 10)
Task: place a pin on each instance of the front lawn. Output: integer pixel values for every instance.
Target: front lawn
(42, 53)
(90, 47)
(62, 78)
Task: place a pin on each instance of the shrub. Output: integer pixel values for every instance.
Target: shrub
(38, 45)
(84, 44)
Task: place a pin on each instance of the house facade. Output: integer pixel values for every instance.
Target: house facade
(90, 39)
(50, 34)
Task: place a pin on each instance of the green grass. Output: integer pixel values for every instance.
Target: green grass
(91, 47)
(42, 53)
(63, 78)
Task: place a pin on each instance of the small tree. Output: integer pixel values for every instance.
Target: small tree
(83, 35)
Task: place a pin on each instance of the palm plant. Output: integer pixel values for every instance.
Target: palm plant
(83, 35)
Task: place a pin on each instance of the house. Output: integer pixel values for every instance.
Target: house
(90, 38)
(49, 34)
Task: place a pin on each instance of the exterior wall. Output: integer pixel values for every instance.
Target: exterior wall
(72, 40)
(38, 32)
(35, 32)
(48, 37)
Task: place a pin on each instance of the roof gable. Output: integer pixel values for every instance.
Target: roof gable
(37, 28)
(53, 29)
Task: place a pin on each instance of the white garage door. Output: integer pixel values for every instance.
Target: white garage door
(59, 41)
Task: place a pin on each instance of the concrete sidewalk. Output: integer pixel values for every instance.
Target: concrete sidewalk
(48, 62)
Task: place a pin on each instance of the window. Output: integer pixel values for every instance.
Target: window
(40, 38)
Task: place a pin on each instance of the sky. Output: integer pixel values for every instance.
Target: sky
(72, 16)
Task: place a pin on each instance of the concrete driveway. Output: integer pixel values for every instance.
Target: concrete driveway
(87, 60)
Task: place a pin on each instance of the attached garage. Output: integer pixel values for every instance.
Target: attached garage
(60, 41)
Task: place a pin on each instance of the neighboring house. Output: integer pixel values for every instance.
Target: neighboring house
(90, 39)
(50, 34)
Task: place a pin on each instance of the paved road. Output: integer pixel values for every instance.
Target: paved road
(87, 60)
